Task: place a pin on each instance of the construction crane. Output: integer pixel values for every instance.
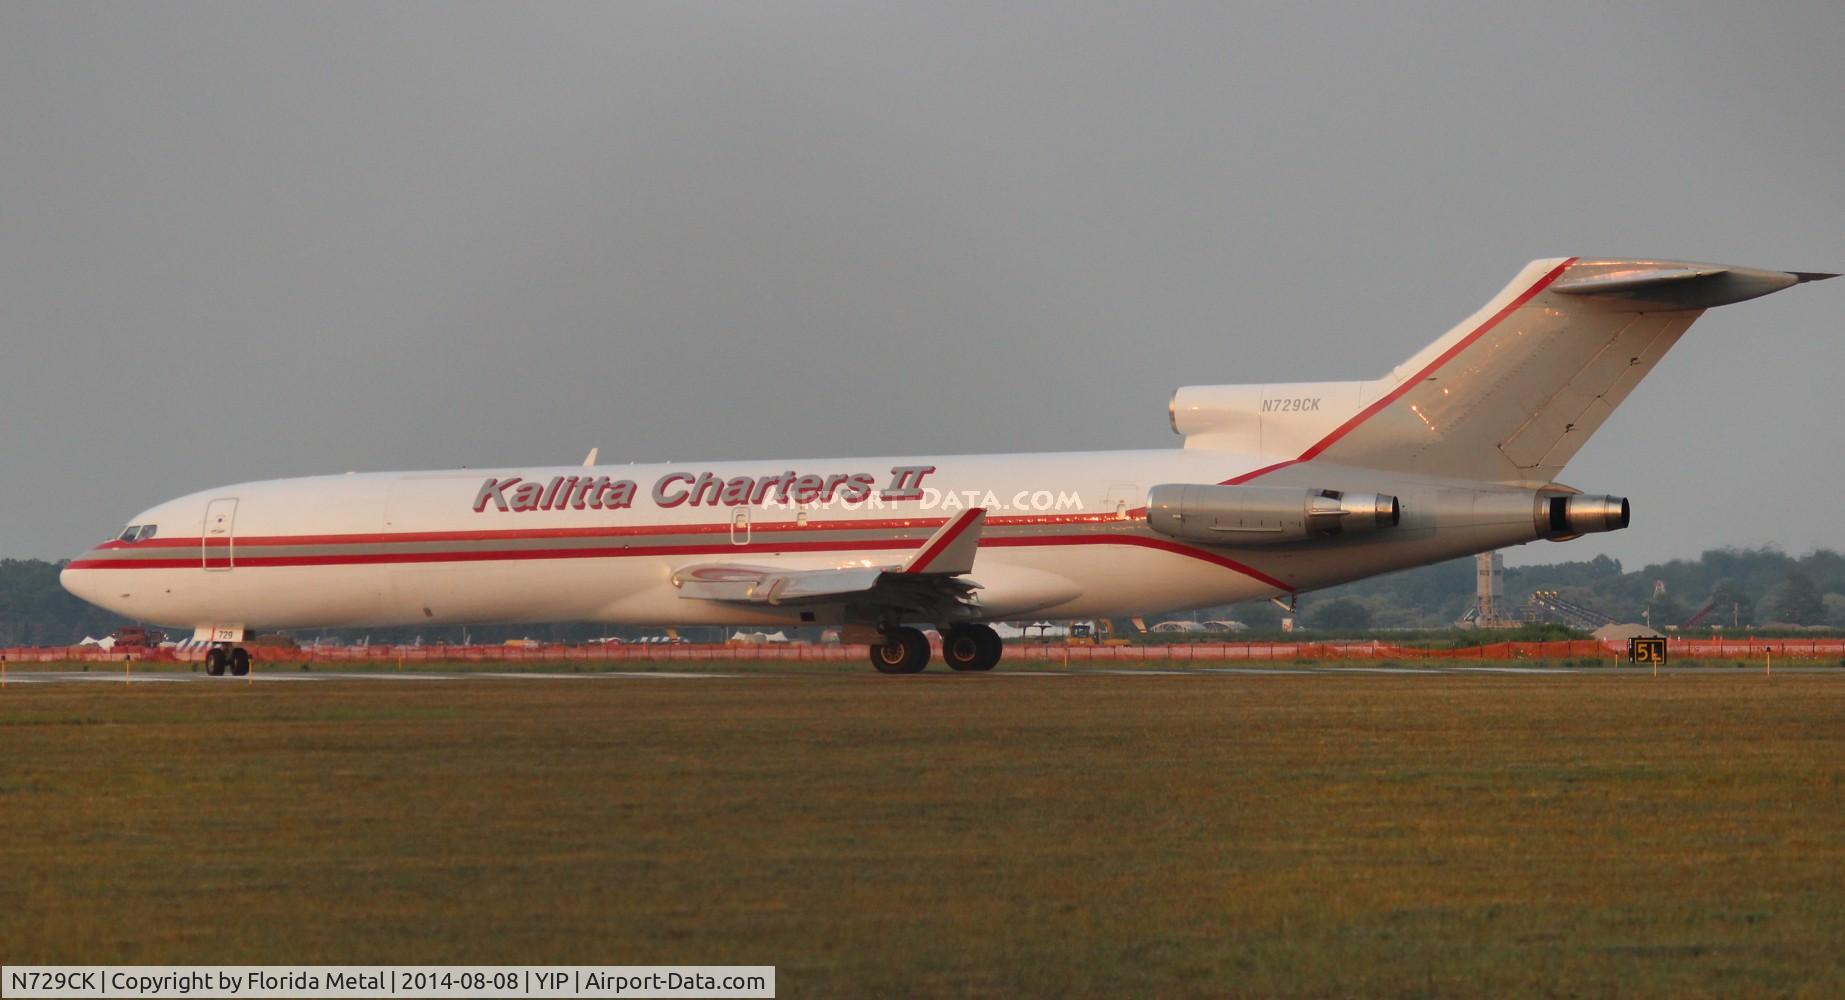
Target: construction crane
(1699, 616)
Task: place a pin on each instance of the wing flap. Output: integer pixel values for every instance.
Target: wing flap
(769, 585)
(932, 578)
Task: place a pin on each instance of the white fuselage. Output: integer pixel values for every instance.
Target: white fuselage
(1066, 536)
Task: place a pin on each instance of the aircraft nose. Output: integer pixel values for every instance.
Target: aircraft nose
(73, 580)
(85, 584)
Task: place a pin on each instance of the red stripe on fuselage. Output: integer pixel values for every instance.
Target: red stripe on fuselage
(1265, 470)
(1147, 543)
(385, 558)
(609, 531)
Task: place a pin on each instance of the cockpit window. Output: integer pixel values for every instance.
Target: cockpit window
(147, 531)
(129, 535)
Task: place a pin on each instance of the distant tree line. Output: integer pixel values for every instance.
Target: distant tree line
(36, 611)
(1760, 588)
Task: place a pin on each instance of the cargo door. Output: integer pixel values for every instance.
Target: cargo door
(218, 540)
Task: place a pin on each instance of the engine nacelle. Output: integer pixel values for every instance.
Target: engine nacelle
(1264, 515)
(1560, 518)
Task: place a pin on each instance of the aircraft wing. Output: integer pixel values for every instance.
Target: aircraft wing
(930, 578)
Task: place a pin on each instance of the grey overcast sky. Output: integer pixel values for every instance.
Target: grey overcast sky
(243, 241)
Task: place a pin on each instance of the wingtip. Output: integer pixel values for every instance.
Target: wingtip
(1802, 277)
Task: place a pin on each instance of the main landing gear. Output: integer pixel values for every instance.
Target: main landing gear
(905, 650)
(971, 647)
(222, 655)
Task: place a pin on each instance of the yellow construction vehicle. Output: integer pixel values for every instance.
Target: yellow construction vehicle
(1100, 632)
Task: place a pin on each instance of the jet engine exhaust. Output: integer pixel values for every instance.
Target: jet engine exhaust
(1565, 517)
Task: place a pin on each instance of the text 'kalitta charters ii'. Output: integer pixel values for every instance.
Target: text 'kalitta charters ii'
(518, 495)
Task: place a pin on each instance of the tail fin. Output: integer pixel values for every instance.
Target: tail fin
(1514, 391)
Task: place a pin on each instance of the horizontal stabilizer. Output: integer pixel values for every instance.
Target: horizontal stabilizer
(1681, 286)
(1625, 281)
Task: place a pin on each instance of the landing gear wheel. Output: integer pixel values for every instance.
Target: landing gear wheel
(903, 651)
(240, 662)
(971, 647)
(214, 662)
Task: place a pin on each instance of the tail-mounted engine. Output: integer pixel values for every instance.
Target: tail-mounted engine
(1561, 518)
(1265, 515)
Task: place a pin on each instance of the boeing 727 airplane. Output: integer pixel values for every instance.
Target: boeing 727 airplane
(1278, 489)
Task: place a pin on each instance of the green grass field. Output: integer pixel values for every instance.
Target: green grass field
(999, 835)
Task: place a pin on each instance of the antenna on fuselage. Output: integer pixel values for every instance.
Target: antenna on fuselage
(590, 459)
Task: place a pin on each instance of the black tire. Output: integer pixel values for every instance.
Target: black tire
(214, 662)
(994, 648)
(240, 662)
(903, 651)
(971, 647)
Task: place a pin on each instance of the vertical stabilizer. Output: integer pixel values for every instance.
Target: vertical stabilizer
(1516, 389)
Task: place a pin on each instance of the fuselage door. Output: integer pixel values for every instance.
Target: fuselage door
(740, 526)
(217, 546)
